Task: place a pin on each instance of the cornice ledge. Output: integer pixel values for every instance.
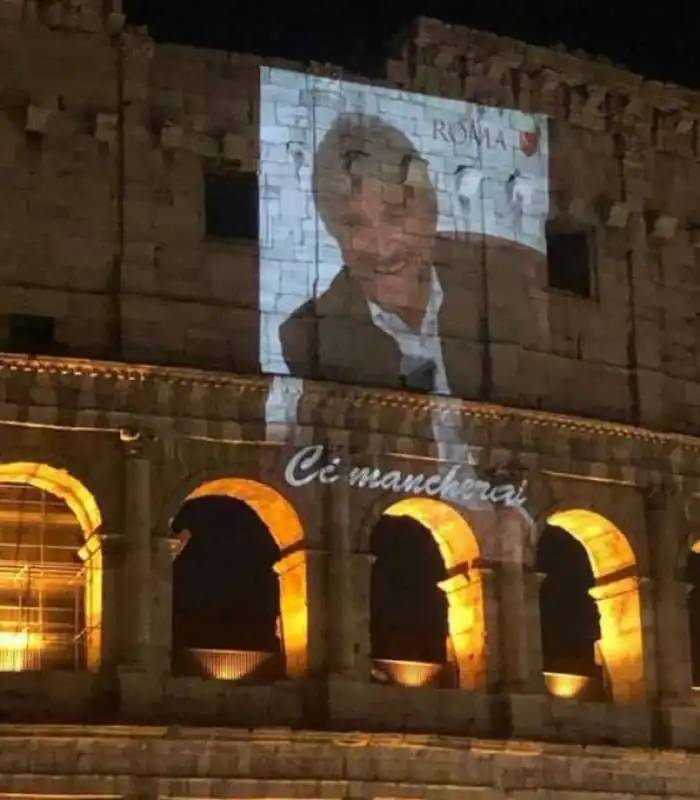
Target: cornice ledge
(392, 398)
(119, 371)
(356, 395)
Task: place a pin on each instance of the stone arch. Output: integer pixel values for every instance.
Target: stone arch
(617, 596)
(81, 502)
(464, 585)
(286, 528)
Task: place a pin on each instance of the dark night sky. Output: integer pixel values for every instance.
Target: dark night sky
(659, 40)
(225, 572)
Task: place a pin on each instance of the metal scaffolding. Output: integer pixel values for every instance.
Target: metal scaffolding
(42, 582)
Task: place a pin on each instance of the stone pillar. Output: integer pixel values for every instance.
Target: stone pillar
(165, 550)
(514, 627)
(337, 534)
(466, 614)
(316, 569)
(667, 625)
(620, 604)
(492, 624)
(103, 556)
(361, 592)
(137, 522)
(292, 569)
(535, 682)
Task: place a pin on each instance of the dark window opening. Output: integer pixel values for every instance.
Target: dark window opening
(231, 205)
(225, 591)
(568, 614)
(692, 576)
(569, 262)
(30, 333)
(408, 610)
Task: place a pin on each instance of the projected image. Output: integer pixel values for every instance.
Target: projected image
(380, 211)
(383, 215)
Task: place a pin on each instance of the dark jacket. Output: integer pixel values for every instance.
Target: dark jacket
(334, 338)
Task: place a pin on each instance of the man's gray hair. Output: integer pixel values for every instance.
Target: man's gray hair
(362, 147)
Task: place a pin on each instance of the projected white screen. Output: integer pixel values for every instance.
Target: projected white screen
(361, 187)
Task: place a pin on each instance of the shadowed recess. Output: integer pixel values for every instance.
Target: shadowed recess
(569, 616)
(692, 577)
(408, 609)
(225, 590)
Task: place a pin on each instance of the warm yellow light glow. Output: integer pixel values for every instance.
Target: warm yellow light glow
(82, 504)
(229, 665)
(59, 483)
(620, 649)
(464, 590)
(607, 547)
(17, 648)
(451, 531)
(410, 673)
(565, 686)
(283, 522)
(274, 510)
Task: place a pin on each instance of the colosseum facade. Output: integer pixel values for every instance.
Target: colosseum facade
(177, 339)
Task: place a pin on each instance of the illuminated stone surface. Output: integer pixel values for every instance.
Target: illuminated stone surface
(125, 446)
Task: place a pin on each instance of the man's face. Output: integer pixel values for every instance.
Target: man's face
(387, 229)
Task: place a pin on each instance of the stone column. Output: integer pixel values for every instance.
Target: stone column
(292, 570)
(103, 556)
(361, 592)
(467, 612)
(165, 549)
(316, 569)
(535, 682)
(337, 534)
(138, 573)
(492, 624)
(620, 604)
(514, 627)
(667, 625)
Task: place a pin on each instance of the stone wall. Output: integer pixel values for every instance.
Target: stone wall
(187, 762)
(140, 441)
(104, 138)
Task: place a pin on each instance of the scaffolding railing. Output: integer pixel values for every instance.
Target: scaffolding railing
(42, 583)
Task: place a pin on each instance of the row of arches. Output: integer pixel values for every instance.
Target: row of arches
(240, 589)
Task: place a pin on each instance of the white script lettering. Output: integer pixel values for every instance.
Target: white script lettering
(308, 465)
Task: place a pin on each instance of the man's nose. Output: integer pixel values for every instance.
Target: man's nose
(388, 240)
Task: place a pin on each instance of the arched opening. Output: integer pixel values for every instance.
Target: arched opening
(408, 610)
(239, 584)
(692, 578)
(426, 600)
(591, 614)
(569, 616)
(50, 570)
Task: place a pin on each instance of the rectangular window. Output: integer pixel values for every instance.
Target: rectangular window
(231, 205)
(569, 262)
(28, 333)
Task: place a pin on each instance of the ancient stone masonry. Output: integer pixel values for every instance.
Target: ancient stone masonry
(116, 193)
(138, 379)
